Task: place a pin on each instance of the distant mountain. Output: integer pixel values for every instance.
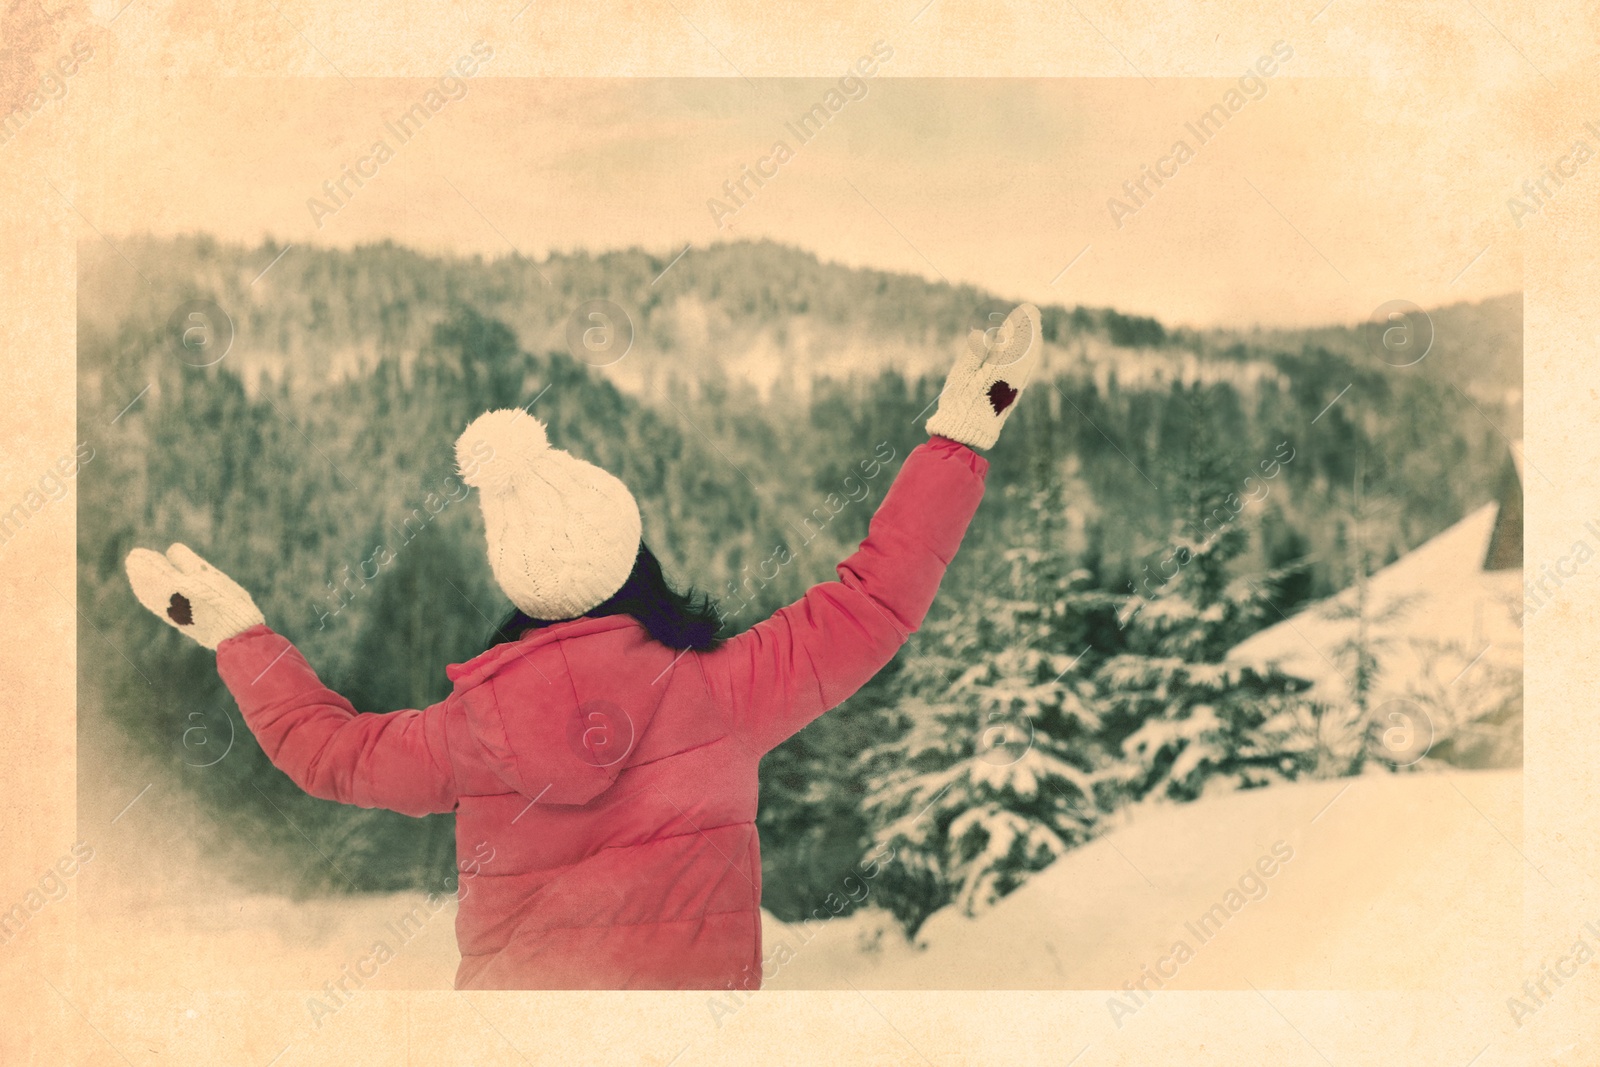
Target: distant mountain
(752, 311)
(1476, 346)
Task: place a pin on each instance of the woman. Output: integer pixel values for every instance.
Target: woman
(604, 760)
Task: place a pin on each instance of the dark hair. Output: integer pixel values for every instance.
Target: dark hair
(677, 620)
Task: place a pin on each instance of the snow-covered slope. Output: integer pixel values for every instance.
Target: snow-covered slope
(1390, 881)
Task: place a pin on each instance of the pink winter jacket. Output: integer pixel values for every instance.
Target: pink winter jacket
(604, 785)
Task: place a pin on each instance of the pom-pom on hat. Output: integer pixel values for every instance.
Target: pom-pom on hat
(563, 534)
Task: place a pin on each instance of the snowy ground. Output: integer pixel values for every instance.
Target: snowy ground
(1410, 881)
(1394, 882)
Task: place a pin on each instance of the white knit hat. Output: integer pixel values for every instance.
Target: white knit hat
(563, 534)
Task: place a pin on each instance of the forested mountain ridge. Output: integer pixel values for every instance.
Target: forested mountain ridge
(752, 311)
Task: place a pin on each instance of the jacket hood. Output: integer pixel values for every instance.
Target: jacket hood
(487, 663)
(563, 711)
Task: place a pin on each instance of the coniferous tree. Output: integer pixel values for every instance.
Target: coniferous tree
(992, 776)
(1179, 715)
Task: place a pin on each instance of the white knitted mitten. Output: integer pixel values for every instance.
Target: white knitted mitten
(191, 595)
(983, 386)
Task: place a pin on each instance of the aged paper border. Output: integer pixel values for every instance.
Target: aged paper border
(1560, 837)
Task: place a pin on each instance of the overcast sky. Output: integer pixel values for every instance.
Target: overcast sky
(1316, 201)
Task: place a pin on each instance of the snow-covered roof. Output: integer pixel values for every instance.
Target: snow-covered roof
(1431, 614)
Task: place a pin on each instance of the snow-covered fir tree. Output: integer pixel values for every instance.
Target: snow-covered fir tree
(1179, 715)
(992, 777)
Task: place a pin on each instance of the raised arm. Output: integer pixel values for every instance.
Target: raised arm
(397, 761)
(809, 656)
(785, 671)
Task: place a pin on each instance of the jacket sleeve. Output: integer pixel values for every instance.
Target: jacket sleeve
(783, 672)
(397, 761)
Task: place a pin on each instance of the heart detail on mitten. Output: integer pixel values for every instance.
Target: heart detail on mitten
(983, 387)
(189, 594)
(179, 611)
(1000, 396)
